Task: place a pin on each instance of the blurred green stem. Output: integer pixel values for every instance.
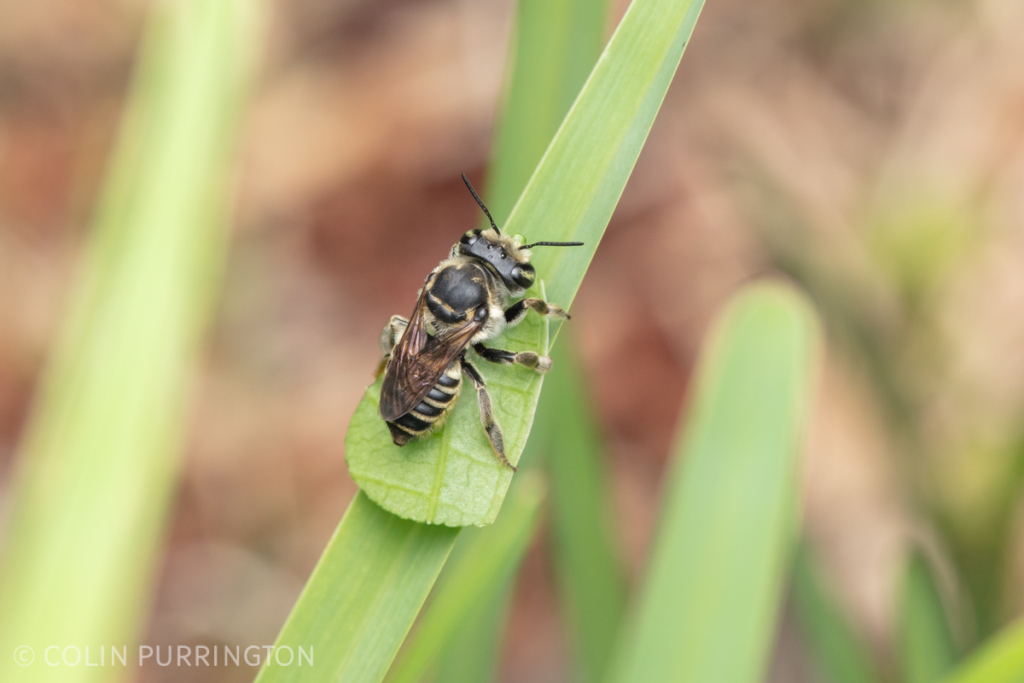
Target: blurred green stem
(100, 457)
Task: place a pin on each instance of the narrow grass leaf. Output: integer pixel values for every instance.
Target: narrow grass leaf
(483, 568)
(592, 584)
(100, 457)
(998, 660)
(362, 598)
(473, 652)
(452, 478)
(927, 650)
(555, 47)
(838, 655)
(557, 43)
(712, 593)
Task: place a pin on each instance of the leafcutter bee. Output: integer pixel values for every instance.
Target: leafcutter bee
(464, 302)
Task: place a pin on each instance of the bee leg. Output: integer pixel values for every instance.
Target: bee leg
(517, 311)
(389, 337)
(487, 414)
(528, 358)
(391, 333)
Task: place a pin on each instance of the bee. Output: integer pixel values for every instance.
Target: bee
(463, 303)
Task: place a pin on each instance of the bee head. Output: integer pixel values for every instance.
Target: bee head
(504, 254)
(507, 255)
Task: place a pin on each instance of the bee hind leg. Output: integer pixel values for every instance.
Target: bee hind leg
(530, 359)
(515, 313)
(487, 414)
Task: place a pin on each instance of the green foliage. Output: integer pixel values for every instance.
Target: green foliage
(472, 653)
(556, 45)
(711, 597)
(99, 460)
(485, 566)
(583, 174)
(838, 655)
(363, 596)
(571, 196)
(927, 648)
(591, 583)
(1000, 660)
(450, 477)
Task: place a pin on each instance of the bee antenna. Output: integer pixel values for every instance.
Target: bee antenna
(477, 198)
(552, 244)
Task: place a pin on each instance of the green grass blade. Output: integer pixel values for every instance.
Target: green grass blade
(592, 585)
(714, 584)
(998, 660)
(926, 646)
(453, 478)
(362, 598)
(838, 655)
(557, 43)
(473, 652)
(485, 566)
(101, 454)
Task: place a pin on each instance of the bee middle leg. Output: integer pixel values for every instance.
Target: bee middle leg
(487, 414)
(530, 359)
(515, 313)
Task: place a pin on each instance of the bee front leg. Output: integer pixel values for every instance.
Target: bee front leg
(389, 337)
(487, 414)
(530, 359)
(517, 311)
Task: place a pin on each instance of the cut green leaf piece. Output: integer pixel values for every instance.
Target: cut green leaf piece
(454, 479)
(838, 655)
(713, 588)
(998, 660)
(926, 646)
(451, 477)
(100, 457)
(486, 565)
(362, 598)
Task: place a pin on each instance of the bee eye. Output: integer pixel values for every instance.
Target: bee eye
(502, 254)
(481, 313)
(523, 275)
(470, 237)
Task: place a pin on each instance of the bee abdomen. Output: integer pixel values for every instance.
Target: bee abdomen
(431, 411)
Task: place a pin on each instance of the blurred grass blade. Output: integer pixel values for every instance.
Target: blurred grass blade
(926, 646)
(363, 596)
(100, 456)
(473, 652)
(998, 660)
(713, 587)
(482, 569)
(838, 655)
(557, 43)
(453, 477)
(592, 585)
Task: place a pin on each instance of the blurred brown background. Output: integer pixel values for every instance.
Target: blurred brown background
(873, 151)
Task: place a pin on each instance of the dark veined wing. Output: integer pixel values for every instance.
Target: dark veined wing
(418, 361)
(401, 375)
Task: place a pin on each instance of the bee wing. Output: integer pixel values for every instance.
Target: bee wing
(418, 361)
